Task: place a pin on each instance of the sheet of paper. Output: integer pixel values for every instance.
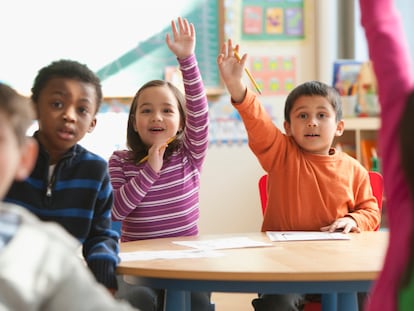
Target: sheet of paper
(278, 236)
(223, 243)
(167, 254)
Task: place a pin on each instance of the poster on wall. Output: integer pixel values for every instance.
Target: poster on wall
(275, 75)
(272, 20)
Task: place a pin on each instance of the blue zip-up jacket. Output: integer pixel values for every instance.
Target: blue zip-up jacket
(78, 197)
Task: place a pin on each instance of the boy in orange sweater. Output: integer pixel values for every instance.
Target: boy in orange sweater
(311, 186)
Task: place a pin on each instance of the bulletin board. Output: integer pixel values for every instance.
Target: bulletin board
(272, 20)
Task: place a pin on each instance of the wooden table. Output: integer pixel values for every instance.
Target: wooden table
(338, 269)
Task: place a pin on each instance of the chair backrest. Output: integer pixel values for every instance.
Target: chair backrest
(263, 192)
(377, 185)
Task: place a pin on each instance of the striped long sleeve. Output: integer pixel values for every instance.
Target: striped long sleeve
(164, 204)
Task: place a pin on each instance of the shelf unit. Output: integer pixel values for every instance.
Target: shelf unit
(356, 131)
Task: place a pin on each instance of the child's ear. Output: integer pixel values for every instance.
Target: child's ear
(340, 128)
(286, 125)
(28, 157)
(92, 125)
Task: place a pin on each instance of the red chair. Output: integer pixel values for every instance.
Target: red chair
(263, 192)
(377, 185)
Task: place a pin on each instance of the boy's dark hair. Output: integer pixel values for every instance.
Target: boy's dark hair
(17, 109)
(314, 88)
(66, 69)
(134, 142)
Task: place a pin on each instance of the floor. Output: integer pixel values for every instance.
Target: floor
(233, 301)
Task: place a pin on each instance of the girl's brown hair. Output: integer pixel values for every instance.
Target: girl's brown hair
(134, 142)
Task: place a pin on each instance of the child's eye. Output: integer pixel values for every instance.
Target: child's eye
(321, 115)
(302, 116)
(167, 110)
(145, 111)
(83, 110)
(57, 105)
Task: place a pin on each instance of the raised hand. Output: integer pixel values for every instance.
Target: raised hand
(231, 70)
(184, 38)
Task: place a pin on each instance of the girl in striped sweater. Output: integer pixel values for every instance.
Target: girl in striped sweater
(156, 181)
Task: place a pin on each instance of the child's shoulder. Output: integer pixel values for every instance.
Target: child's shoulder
(122, 156)
(86, 154)
(350, 163)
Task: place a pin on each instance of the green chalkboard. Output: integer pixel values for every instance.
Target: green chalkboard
(149, 58)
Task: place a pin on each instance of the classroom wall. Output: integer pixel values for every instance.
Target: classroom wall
(229, 197)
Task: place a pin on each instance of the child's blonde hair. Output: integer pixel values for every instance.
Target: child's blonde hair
(18, 110)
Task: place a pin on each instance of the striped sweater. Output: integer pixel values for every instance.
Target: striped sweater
(80, 199)
(165, 204)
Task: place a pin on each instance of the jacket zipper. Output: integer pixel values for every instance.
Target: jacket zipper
(50, 184)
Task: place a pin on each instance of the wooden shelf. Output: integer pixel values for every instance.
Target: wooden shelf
(356, 131)
(365, 123)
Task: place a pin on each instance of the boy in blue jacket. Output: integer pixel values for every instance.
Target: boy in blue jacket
(70, 185)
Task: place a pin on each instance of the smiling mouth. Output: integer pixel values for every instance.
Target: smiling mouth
(312, 135)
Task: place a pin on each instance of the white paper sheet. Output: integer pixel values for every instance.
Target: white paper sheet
(278, 236)
(224, 243)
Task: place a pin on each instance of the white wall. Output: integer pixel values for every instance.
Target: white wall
(229, 195)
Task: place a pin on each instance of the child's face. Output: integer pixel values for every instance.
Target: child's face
(157, 117)
(313, 124)
(66, 112)
(16, 162)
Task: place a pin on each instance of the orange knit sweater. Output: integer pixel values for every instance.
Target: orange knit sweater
(306, 191)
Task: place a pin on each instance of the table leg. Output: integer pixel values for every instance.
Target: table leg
(177, 300)
(329, 302)
(347, 301)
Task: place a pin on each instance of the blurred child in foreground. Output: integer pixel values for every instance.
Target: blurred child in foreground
(388, 50)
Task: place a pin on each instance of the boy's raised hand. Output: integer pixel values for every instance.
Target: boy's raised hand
(231, 70)
(184, 38)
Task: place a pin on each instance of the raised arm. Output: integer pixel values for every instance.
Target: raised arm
(231, 70)
(184, 38)
(196, 130)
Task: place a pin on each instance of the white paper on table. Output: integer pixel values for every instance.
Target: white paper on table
(166, 254)
(224, 243)
(278, 236)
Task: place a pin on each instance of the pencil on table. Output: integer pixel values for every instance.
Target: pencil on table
(236, 54)
(146, 157)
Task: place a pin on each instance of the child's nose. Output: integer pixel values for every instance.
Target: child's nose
(156, 116)
(312, 122)
(69, 114)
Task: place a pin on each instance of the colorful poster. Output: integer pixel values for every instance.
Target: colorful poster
(252, 20)
(272, 20)
(274, 75)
